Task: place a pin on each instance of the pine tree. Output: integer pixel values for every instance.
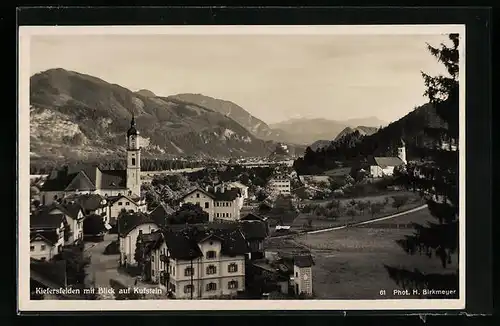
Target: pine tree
(437, 179)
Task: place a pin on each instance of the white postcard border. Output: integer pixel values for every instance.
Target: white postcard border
(24, 302)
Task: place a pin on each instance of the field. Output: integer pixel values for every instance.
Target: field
(349, 263)
(322, 222)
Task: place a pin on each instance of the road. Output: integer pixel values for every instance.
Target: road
(369, 221)
(103, 268)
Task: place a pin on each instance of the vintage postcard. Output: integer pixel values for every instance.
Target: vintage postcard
(241, 166)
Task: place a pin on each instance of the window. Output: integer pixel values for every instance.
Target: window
(152, 272)
(188, 288)
(152, 258)
(120, 203)
(43, 258)
(207, 204)
(42, 247)
(197, 195)
(232, 268)
(232, 285)
(133, 161)
(216, 214)
(172, 287)
(188, 271)
(211, 270)
(127, 203)
(296, 274)
(211, 286)
(211, 254)
(32, 248)
(129, 193)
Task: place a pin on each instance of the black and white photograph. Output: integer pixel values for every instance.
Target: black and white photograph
(320, 165)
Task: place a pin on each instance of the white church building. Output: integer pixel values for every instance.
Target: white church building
(381, 166)
(90, 179)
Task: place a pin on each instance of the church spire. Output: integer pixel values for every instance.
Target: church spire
(132, 130)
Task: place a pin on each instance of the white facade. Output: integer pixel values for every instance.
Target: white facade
(280, 186)
(42, 249)
(75, 225)
(378, 172)
(302, 279)
(134, 165)
(211, 277)
(229, 210)
(129, 241)
(123, 203)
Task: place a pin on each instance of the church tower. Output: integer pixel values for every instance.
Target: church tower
(402, 151)
(133, 160)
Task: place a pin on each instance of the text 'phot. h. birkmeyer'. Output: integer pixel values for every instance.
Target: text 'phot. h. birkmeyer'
(232, 165)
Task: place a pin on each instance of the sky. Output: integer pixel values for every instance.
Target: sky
(274, 77)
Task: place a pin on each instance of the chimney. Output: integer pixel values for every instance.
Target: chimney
(206, 188)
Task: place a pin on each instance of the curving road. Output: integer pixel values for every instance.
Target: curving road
(369, 221)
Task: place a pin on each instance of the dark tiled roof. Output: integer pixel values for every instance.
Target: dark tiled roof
(44, 220)
(198, 189)
(183, 242)
(49, 236)
(227, 195)
(384, 162)
(128, 221)
(253, 217)
(71, 209)
(254, 230)
(303, 261)
(152, 237)
(81, 182)
(58, 180)
(91, 202)
(160, 213)
(113, 179)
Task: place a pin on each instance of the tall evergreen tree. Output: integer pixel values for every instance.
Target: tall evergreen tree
(437, 179)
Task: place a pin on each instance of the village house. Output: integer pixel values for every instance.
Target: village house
(74, 216)
(46, 234)
(199, 261)
(90, 179)
(116, 204)
(291, 270)
(255, 232)
(280, 185)
(129, 227)
(235, 184)
(219, 203)
(384, 166)
(160, 213)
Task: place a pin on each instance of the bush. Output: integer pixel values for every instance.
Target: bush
(352, 212)
(399, 201)
(113, 248)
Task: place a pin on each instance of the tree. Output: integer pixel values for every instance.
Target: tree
(93, 225)
(375, 208)
(76, 262)
(362, 206)
(438, 179)
(399, 201)
(188, 214)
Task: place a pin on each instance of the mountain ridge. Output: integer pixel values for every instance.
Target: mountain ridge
(78, 115)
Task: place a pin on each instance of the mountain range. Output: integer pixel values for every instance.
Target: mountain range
(307, 131)
(78, 116)
(363, 130)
